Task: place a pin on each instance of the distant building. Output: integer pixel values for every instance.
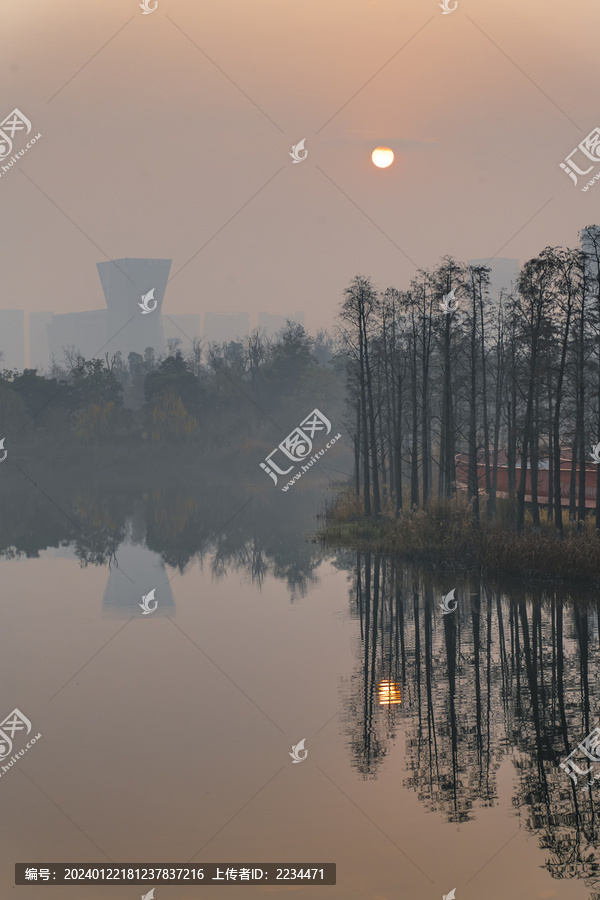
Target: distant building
(84, 331)
(39, 350)
(221, 327)
(124, 282)
(543, 478)
(123, 327)
(12, 339)
(504, 274)
(184, 327)
(589, 248)
(587, 244)
(272, 323)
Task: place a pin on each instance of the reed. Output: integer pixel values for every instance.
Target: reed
(444, 531)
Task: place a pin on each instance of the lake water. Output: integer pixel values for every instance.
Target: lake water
(433, 740)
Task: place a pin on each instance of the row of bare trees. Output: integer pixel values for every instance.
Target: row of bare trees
(447, 367)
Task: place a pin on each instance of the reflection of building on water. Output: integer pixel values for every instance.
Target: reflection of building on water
(136, 572)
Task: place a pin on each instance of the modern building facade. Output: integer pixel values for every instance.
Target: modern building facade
(185, 327)
(125, 283)
(12, 339)
(504, 274)
(84, 332)
(222, 327)
(590, 245)
(272, 323)
(39, 350)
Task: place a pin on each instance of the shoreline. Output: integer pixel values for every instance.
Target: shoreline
(443, 538)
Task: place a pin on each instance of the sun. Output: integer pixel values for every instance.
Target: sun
(382, 157)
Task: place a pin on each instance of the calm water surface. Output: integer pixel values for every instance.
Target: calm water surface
(433, 740)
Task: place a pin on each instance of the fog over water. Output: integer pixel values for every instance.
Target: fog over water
(166, 733)
(300, 455)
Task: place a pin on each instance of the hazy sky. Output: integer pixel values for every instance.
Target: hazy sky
(152, 147)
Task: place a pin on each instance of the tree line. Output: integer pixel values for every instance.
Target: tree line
(446, 368)
(202, 394)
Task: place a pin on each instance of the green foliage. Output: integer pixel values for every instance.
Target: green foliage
(243, 393)
(173, 378)
(169, 419)
(91, 383)
(13, 412)
(94, 421)
(35, 391)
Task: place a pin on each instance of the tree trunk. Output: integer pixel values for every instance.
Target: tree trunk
(374, 469)
(473, 479)
(526, 440)
(425, 429)
(425, 437)
(365, 436)
(550, 458)
(357, 450)
(442, 453)
(371, 418)
(398, 446)
(573, 482)
(414, 459)
(580, 414)
(447, 414)
(535, 458)
(598, 437)
(497, 411)
(486, 434)
(557, 408)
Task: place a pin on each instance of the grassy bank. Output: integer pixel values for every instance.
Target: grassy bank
(444, 533)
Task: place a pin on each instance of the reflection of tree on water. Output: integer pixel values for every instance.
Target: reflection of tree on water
(367, 750)
(181, 521)
(564, 815)
(508, 674)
